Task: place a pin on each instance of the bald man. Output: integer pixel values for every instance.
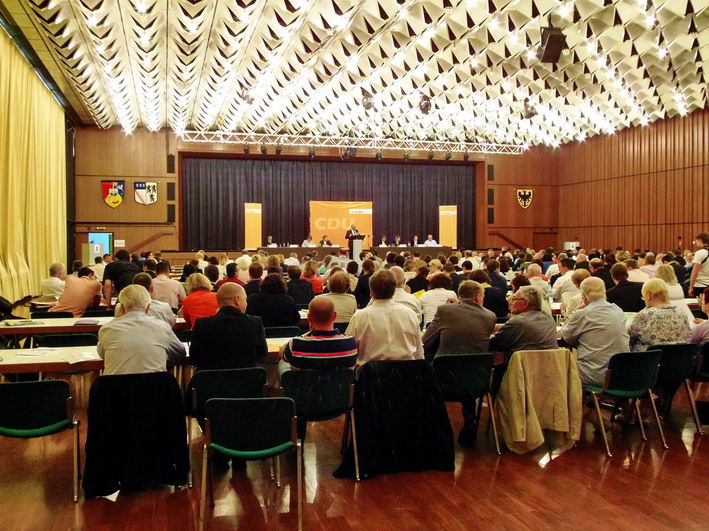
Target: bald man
(231, 339)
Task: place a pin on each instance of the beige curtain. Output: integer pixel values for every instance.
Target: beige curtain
(32, 176)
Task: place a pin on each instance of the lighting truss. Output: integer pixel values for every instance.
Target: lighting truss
(349, 142)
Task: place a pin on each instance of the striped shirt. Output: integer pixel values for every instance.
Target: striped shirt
(321, 349)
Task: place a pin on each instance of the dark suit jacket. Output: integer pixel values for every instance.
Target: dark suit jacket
(275, 309)
(361, 292)
(554, 278)
(459, 329)
(496, 302)
(348, 234)
(300, 290)
(228, 340)
(417, 284)
(457, 278)
(252, 286)
(627, 295)
(325, 243)
(583, 265)
(499, 282)
(605, 276)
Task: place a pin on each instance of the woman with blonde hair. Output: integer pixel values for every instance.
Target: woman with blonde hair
(310, 274)
(201, 301)
(659, 323)
(202, 263)
(674, 289)
(273, 264)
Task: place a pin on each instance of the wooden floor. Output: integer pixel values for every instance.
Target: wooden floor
(641, 487)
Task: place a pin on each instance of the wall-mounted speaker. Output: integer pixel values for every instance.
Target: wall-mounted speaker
(490, 196)
(170, 191)
(490, 172)
(490, 216)
(170, 163)
(171, 213)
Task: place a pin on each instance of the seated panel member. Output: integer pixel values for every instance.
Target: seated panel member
(414, 241)
(269, 242)
(384, 242)
(231, 339)
(325, 242)
(308, 242)
(430, 242)
(135, 343)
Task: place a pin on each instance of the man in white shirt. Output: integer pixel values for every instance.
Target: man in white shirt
(54, 285)
(534, 273)
(134, 342)
(554, 268)
(308, 242)
(166, 289)
(650, 267)
(401, 296)
(160, 310)
(386, 330)
(564, 284)
(98, 267)
(430, 242)
(634, 274)
(699, 278)
(292, 260)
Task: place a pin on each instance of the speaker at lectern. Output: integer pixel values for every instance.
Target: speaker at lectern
(356, 245)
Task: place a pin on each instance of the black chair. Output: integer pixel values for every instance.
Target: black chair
(323, 395)
(37, 409)
(676, 367)
(282, 331)
(52, 315)
(302, 306)
(98, 313)
(700, 373)
(251, 429)
(341, 327)
(221, 383)
(68, 340)
(467, 377)
(630, 376)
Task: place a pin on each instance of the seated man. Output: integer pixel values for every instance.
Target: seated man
(634, 273)
(80, 292)
(158, 309)
(529, 328)
(564, 284)
(292, 260)
(118, 274)
(133, 342)
(322, 347)
(254, 283)
(402, 296)
(325, 242)
(232, 275)
(598, 331)
(166, 289)
(386, 330)
(300, 290)
(430, 242)
(54, 285)
(231, 339)
(598, 271)
(460, 328)
(627, 295)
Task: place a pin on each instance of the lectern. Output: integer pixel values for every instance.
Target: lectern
(356, 245)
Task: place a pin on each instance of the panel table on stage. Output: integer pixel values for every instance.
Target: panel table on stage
(433, 252)
(318, 253)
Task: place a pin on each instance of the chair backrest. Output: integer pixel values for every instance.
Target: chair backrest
(303, 306)
(318, 394)
(68, 340)
(341, 327)
(33, 405)
(282, 331)
(223, 383)
(633, 373)
(464, 376)
(52, 315)
(250, 424)
(703, 362)
(677, 361)
(99, 313)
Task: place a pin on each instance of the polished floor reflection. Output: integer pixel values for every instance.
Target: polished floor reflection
(643, 486)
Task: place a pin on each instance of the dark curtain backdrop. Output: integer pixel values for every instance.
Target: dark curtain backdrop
(405, 197)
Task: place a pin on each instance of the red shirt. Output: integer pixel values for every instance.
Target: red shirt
(199, 303)
(316, 282)
(227, 279)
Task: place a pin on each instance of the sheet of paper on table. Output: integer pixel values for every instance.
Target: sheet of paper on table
(37, 351)
(76, 357)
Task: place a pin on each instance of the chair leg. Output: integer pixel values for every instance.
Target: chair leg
(657, 419)
(693, 404)
(271, 474)
(354, 444)
(600, 423)
(299, 479)
(190, 478)
(203, 487)
(278, 471)
(639, 416)
(493, 422)
(478, 413)
(75, 450)
(346, 430)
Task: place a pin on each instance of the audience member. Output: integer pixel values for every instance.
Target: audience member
(345, 303)
(159, 310)
(420, 281)
(699, 277)
(362, 291)
(212, 273)
(627, 295)
(521, 281)
(79, 293)
(700, 334)
(201, 301)
(135, 343)
(494, 299)
(597, 331)
(496, 279)
(650, 267)
(118, 275)
(166, 289)
(534, 273)
(634, 274)
(385, 330)
(310, 274)
(401, 296)
(232, 276)
(659, 323)
(301, 291)
(150, 267)
(273, 304)
(529, 328)
(54, 285)
(564, 284)
(674, 290)
(439, 292)
(76, 266)
(352, 270)
(230, 339)
(255, 274)
(598, 271)
(575, 302)
(98, 267)
(292, 260)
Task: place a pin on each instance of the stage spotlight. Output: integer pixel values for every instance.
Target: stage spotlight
(430, 155)
(466, 157)
(425, 104)
(311, 153)
(264, 149)
(279, 149)
(406, 156)
(246, 148)
(367, 100)
(378, 155)
(448, 155)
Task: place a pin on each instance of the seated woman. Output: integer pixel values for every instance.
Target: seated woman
(439, 292)
(345, 303)
(311, 275)
(420, 281)
(659, 323)
(272, 304)
(201, 301)
(674, 290)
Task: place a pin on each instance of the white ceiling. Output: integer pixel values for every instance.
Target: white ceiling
(302, 67)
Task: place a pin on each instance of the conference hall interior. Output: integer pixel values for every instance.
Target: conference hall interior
(354, 264)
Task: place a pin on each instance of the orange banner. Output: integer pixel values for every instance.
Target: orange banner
(448, 225)
(334, 218)
(252, 225)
